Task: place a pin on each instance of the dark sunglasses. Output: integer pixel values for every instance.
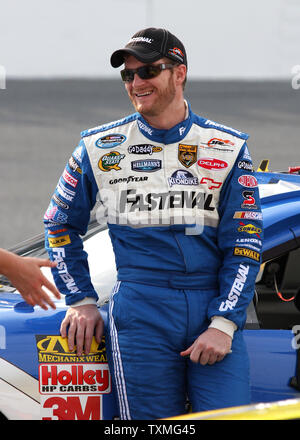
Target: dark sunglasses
(148, 71)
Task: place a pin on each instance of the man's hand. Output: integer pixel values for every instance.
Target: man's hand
(26, 276)
(84, 322)
(210, 347)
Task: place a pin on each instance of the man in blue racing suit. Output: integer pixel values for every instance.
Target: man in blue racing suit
(182, 207)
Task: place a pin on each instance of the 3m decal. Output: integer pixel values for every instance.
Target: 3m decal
(71, 408)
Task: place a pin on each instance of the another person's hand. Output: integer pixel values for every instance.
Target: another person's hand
(210, 347)
(80, 324)
(26, 276)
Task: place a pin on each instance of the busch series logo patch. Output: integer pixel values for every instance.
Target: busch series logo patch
(110, 141)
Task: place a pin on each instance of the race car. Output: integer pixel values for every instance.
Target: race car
(41, 379)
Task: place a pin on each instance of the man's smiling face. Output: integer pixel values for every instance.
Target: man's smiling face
(150, 97)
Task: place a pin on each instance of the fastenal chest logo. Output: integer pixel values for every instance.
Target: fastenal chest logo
(187, 154)
(110, 141)
(146, 165)
(110, 161)
(183, 177)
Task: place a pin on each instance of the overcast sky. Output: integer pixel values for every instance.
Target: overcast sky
(223, 39)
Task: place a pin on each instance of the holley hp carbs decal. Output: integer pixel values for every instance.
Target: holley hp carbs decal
(72, 387)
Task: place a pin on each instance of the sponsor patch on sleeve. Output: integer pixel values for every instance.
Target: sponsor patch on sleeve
(59, 241)
(244, 252)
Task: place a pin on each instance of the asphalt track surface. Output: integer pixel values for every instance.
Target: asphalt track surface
(41, 121)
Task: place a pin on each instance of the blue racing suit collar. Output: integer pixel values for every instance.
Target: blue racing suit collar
(172, 135)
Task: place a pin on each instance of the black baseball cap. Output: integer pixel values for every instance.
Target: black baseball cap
(149, 45)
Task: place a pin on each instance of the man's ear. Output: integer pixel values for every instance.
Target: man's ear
(180, 73)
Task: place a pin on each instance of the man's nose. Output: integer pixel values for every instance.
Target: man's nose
(137, 80)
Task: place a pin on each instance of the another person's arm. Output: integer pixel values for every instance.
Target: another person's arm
(26, 276)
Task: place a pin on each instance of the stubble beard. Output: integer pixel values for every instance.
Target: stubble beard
(163, 99)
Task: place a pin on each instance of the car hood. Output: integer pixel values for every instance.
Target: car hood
(280, 203)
